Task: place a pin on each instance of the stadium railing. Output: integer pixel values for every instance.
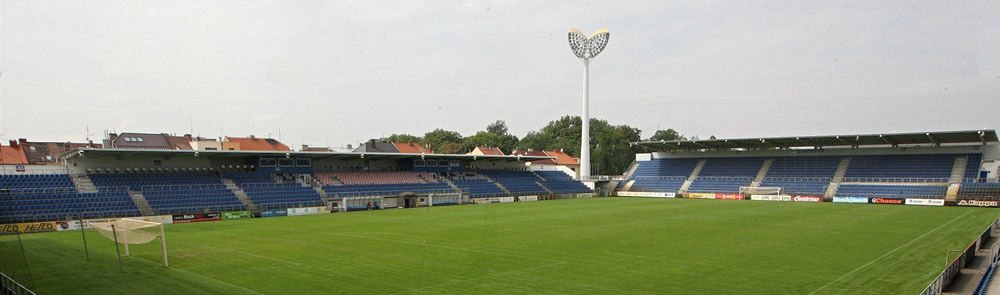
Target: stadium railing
(396, 193)
(946, 277)
(10, 286)
(895, 179)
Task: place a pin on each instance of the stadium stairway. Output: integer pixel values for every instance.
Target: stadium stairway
(140, 201)
(693, 176)
(968, 278)
(448, 182)
(83, 184)
(504, 189)
(838, 177)
(542, 185)
(628, 185)
(240, 194)
(762, 173)
(958, 169)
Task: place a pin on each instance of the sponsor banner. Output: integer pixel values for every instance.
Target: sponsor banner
(528, 198)
(27, 227)
(851, 200)
(186, 218)
(584, 195)
(308, 211)
(731, 197)
(228, 215)
(274, 213)
(778, 198)
(925, 202)
(807, 199)
(978, 203)
(888, 201)
(647, 194)
(701, 196)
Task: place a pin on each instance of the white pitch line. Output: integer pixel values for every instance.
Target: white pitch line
(203, 277)
(247, 254)
(479, 278)
(890, 252)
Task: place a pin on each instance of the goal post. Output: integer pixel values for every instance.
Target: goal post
(761, 190)
(127, 232)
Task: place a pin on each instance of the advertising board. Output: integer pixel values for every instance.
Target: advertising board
(807, 199)
(888, 201)
(978, 203)
(274, 213)
(730, 197)
(307, 211)
(778, 198)
(851, 200)
(27, 227)
(647, 194)
(701, 196)
(925, 202)
(229, 215)
(200, 217)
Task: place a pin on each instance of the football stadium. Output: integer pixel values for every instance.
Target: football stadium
(317, 147)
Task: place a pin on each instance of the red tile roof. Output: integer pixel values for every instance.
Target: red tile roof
(258, 144)
(491, 151)
(12, 156)
(411, 148)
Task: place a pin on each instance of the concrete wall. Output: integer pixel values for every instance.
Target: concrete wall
(32, 169)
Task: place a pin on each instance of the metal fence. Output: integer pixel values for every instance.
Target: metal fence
(956, 265)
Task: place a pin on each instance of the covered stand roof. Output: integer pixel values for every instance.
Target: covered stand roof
(83, 152)
(857, 140)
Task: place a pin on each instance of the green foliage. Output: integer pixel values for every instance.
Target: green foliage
(582, 246)
(666, 135)
(499, 127)
(404, 138)
(438, 139)
(506, 143)
(610, 149)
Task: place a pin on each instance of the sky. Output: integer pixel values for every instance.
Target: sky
(331, 73)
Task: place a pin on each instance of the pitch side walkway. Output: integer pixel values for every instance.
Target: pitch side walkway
(966, 281)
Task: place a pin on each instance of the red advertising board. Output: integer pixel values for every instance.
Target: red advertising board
(732, 197)
(807, 199)
(185, 218)
(888, 201)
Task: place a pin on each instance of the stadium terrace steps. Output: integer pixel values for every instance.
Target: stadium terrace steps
(83, 184)
(762, 173)
(958, 169)
(141, 202)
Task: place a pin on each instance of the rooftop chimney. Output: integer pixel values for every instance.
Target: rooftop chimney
(13, 143)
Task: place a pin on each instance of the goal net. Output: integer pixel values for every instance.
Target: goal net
(132, 232)
(763, 190)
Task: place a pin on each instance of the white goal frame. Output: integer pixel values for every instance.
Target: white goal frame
(122, 238)
(761, 190)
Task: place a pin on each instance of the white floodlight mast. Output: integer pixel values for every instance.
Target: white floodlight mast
(586, 48)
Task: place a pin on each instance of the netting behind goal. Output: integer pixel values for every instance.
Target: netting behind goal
(132, 232)
(768, 190)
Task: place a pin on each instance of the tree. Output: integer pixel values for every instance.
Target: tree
(499, 127)
(450, 148)
(712, 137)
(667, 135)
(437, 139)
(507, 143)
(404, 138)
(611, 151)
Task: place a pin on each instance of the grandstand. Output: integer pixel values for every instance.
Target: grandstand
(933, 165)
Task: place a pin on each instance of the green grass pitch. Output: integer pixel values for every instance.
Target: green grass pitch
(600, 245)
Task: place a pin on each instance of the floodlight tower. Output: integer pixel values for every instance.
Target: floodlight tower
(586, 48)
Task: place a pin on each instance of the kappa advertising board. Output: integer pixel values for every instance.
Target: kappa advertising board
(925, 202)
(851, 200)
(888, 201)
(807, 199)
(778, 198)
(978, 203)
(274, 213)
(27, 227)
(729, 197)
(186, 218)
(647, 194)
(307, 211)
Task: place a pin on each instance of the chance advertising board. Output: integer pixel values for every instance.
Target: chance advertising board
(186, 218)
(647, 194)
(978, 203)
(887, 201)
(851, 200)
(807, 199)
(925, 202)
(307, 211)
(778, 198)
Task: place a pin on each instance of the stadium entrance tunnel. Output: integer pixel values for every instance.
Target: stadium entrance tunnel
(409, 200)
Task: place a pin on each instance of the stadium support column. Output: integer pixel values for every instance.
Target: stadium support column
(585, 123)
